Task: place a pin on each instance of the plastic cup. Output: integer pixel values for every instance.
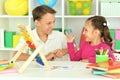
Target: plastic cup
(101, 58)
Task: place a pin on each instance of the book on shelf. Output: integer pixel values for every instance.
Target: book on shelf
(2, 38)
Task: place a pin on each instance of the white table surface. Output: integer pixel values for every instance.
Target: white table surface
(66, 71)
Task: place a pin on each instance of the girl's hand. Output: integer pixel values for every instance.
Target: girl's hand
(70, 37)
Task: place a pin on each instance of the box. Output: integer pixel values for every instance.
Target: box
(79, 7)
(112, 33)
(101, 58)
(58, 29)
(16, 39)
(110, 8)
(66, 30)
(117, 45)
(8, 37)
(117, 34)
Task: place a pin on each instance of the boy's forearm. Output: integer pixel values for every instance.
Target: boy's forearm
(22, 57)
(65, 51)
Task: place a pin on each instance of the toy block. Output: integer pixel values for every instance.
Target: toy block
(32, 44)
(112, 33)
(117, 34)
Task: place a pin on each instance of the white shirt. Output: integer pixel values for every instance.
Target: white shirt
(56, 40)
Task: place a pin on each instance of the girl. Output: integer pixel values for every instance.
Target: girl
(97, 36)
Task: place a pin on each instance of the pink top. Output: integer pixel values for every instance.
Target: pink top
(86, 51)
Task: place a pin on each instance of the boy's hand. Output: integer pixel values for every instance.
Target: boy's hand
(51, 56)
(59, 53)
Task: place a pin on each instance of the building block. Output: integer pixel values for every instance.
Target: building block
(8, 37)
(117, 44)
(117, 34)
(112, 33)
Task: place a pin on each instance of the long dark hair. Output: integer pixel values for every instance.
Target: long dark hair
(100, 23)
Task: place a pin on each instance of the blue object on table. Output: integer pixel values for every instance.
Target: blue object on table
(38, 60)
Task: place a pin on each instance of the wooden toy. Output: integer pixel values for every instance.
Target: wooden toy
(32, 44)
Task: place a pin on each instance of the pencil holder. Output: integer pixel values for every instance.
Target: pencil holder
(79, 7)
(101, 58)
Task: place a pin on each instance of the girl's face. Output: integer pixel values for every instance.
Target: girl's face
(89, 31)
(46, 24)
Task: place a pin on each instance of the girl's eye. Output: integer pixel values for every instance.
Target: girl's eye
(85, 30)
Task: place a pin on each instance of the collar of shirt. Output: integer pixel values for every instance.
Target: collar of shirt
(51, 36)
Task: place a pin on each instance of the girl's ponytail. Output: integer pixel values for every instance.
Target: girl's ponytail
(106, 36)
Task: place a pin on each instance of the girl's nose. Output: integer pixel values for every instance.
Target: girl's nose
(83, 32)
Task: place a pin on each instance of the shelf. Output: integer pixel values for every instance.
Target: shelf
(77, 16)
(55, 16)
(7, 16)
(112, 16)
(7, 49)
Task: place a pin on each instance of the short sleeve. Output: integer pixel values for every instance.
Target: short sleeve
(20, 44)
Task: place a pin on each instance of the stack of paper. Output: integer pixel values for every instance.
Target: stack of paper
(6, 67)
(112, 71)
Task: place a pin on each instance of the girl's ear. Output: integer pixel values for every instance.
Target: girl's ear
(97, 32)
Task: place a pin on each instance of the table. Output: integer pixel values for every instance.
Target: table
(61, 70)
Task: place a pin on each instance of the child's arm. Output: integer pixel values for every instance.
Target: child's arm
(22, 57)
(74, 56)
(92, 59)
(111, 55)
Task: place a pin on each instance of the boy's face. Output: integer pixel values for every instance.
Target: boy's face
(46, 24)
(89, 31)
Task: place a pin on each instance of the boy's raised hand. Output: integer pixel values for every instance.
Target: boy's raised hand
(70, 37)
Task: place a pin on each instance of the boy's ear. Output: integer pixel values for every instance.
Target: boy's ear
(36, 22)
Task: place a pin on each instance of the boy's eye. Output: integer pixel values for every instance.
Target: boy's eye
(49, 23)
(53, 21)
